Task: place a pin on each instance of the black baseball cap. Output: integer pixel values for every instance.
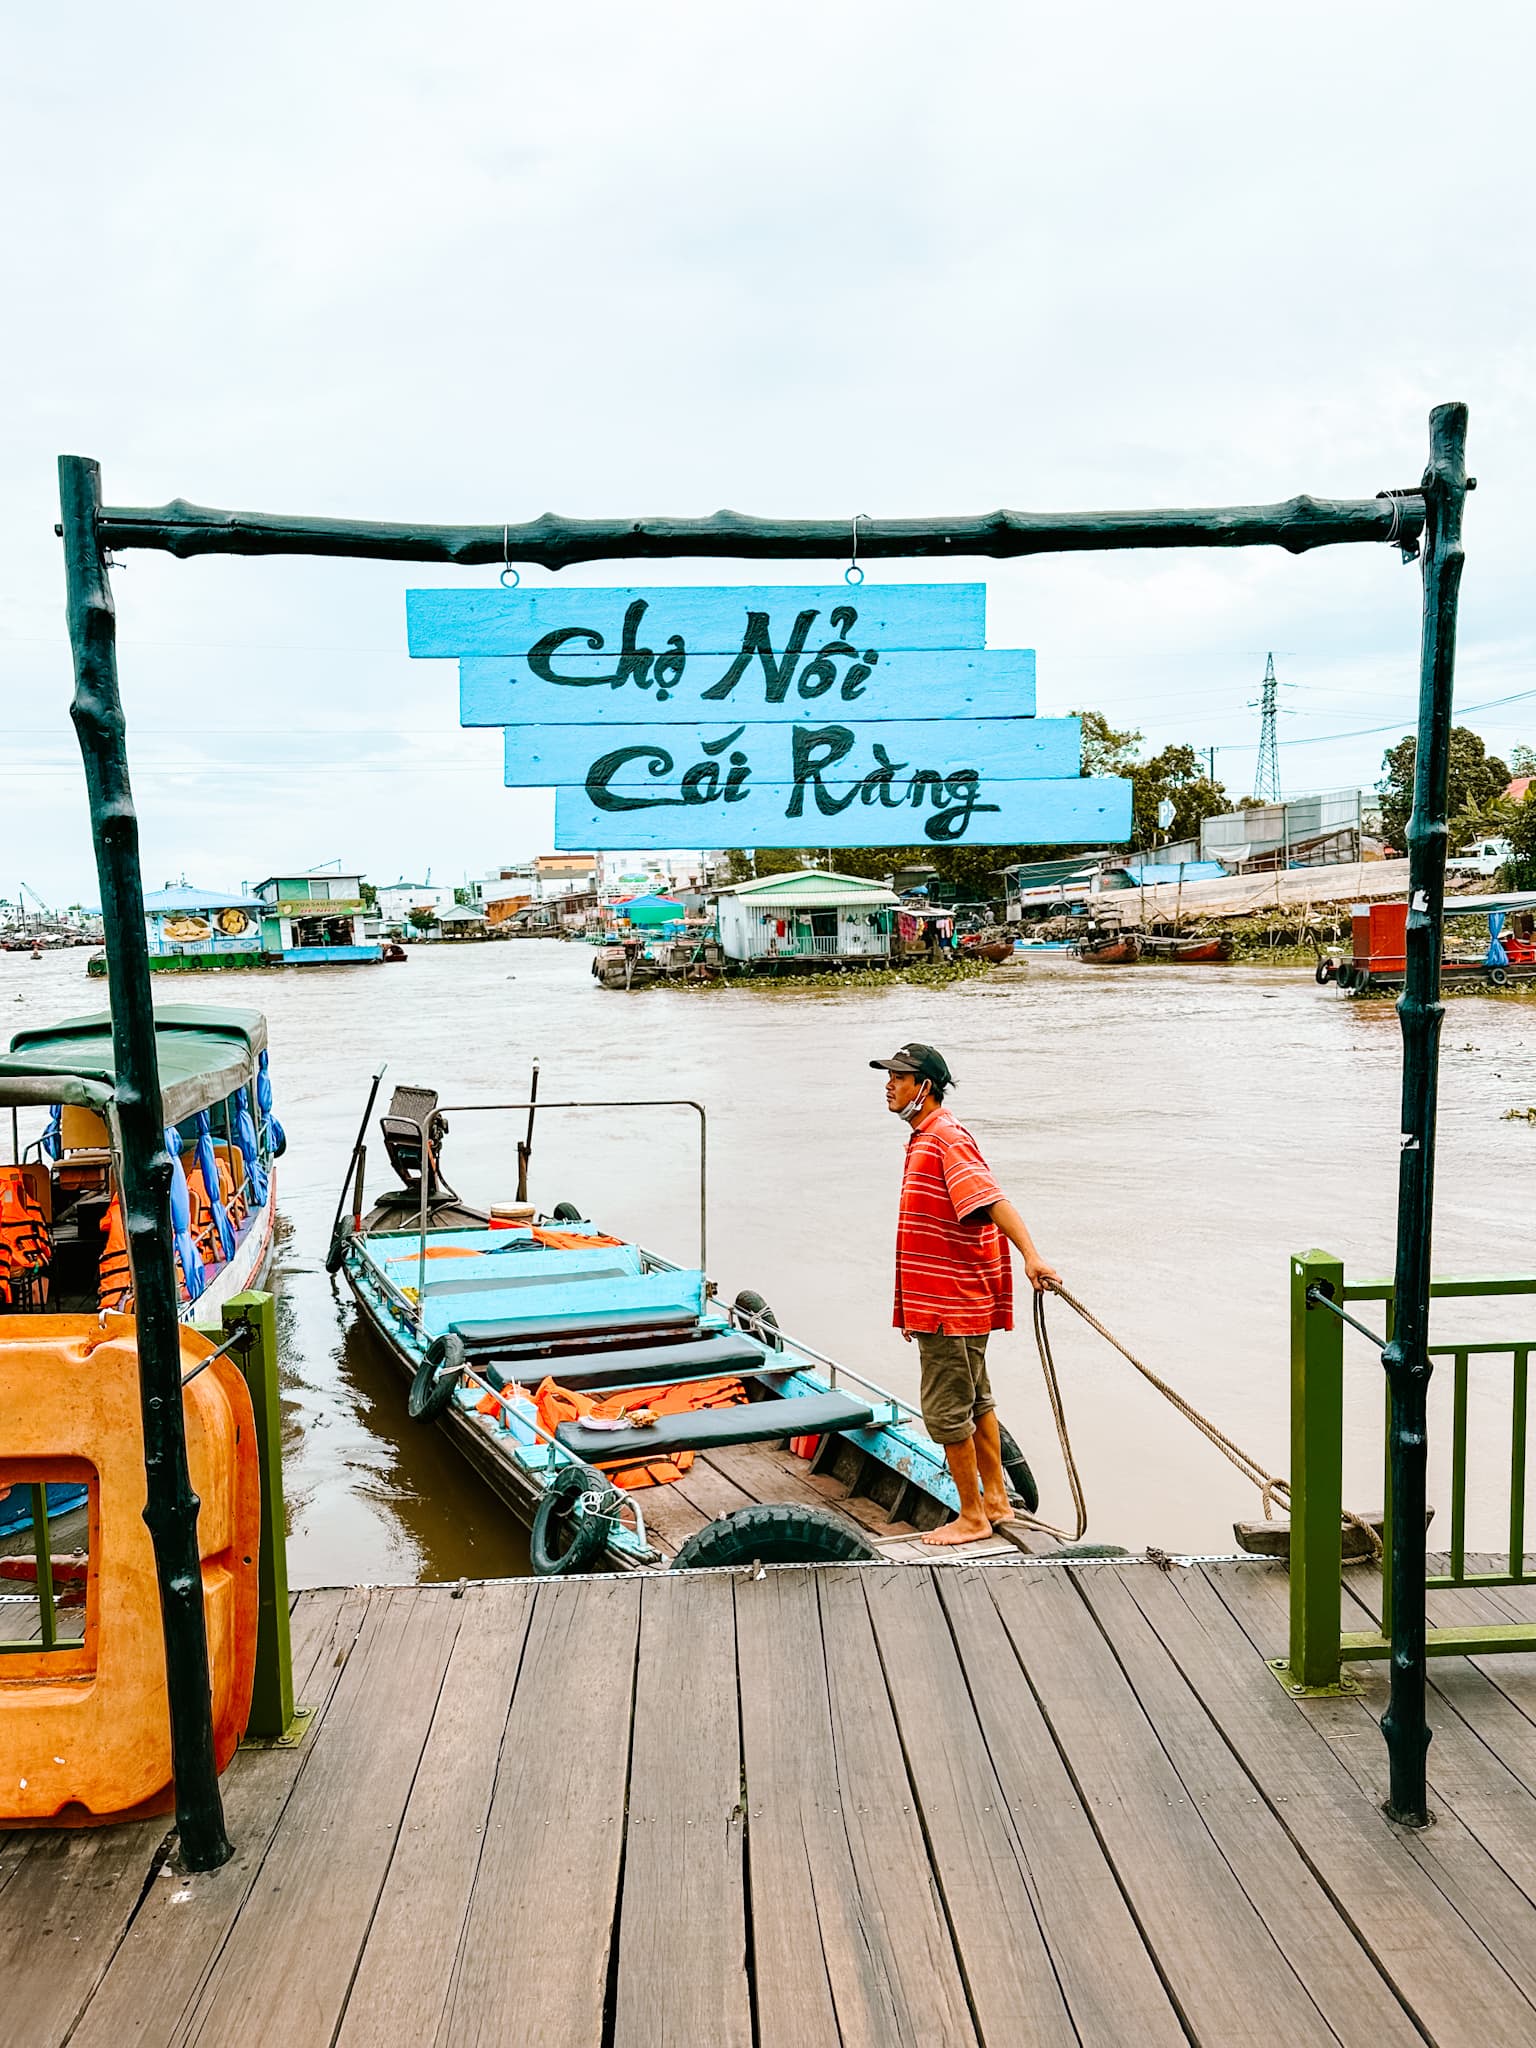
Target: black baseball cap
(921, 1060)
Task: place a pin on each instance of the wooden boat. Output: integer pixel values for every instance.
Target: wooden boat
(505, 1323)
(216, 1101)
(995, 950)
(1189, 952)
(1109, 949)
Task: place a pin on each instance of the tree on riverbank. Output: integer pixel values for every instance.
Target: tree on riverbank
(1477, 784)
(1177, 773)
(1519, 871)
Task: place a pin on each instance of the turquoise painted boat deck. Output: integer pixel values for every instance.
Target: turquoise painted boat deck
(492, 1284)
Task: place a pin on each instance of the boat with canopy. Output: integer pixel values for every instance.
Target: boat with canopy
(63, 1246)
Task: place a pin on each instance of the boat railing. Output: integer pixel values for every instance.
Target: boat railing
(590, 1503)
(487, 1108)
(771, 1334)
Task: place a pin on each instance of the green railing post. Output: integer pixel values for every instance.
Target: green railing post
(1317, 1472)
(272, 1708)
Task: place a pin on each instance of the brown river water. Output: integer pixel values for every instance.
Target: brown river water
(1172, 1135)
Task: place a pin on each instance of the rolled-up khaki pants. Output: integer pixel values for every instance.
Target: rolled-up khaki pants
(956, 1392)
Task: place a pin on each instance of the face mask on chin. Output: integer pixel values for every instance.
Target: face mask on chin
(916, 1106)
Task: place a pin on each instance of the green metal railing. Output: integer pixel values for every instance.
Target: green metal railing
(249, 1334)
(46, 1596)
(1318, 1647)
(273, 1717)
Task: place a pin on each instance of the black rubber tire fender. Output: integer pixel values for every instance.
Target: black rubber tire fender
(1499, 976)
(561, 1541)
(1016, 1468)
(1324, 972)
(773, 1535)
(566, 1212)
(749, 1303)
(341, 1237)
(432, 1388)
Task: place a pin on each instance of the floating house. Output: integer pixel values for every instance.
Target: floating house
(807, 915)
(192, 930)
(314, 920)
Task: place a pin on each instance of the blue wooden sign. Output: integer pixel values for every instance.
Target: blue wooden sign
(960, 809)
(770, 715)
(682, 620)
(631, 764)
(621, 656)
(580, 689)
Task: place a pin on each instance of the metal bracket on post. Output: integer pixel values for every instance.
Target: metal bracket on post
(274, 1721)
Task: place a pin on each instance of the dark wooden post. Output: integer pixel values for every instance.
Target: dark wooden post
(1406, 1357)
(170, 1507)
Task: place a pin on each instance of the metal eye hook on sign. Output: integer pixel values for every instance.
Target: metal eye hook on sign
(853, 573)
(507, 568)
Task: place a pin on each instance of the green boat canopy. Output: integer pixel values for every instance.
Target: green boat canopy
(205, 1053)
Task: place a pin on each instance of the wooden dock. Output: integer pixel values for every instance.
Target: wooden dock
(1004, 1803)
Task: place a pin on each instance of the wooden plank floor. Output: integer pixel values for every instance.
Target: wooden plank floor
(983, 1804)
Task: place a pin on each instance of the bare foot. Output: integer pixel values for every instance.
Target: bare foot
(997, 1510)
(964, 1530)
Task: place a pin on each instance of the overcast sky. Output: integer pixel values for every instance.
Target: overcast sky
(474, 263)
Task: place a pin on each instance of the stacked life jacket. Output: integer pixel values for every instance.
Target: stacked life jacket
(26, 1243)
(556, 1404)
(114, 1284)
(232, 1204)
(114, 1275)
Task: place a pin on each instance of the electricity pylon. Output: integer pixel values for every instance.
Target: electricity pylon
(1266, 780)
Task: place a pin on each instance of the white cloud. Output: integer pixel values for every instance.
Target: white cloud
(471, 263)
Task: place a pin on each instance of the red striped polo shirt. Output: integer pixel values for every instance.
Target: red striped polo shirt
(952, 1274)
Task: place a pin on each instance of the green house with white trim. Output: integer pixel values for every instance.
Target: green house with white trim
(314, 919)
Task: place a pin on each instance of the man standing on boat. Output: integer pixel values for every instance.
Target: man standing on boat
(954, 1283)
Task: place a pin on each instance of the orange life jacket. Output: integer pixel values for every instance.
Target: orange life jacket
(26, 1243)
(203, 1230)
(203, 1233)
(572, 1240)
(114, 1281)
(556, 1404)
(233, 1200)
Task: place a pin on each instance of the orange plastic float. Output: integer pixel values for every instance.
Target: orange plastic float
(85, 1729)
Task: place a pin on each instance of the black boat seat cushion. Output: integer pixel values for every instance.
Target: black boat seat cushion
(655, 1364)
(753, 1422)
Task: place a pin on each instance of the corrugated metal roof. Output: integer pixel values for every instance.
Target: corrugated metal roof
(188, 898)
(1479, 906)
(1153, 871)
(814, 889)
(1040, 874)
